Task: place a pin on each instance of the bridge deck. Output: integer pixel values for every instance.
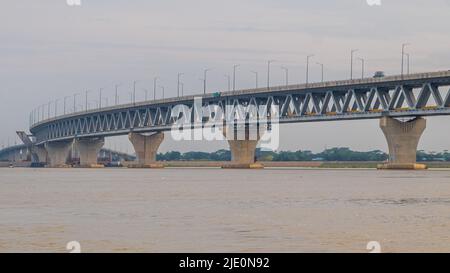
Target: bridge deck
(344, 84)
(395, 96)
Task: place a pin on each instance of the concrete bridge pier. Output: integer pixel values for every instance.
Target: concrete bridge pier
(243, 142)
(403, 139)
(38, 154)
(88, 149)
(146, 148)
(58, 153)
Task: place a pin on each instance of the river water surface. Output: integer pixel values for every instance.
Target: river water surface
(215, 210)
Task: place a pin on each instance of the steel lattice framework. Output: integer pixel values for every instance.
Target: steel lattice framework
(424, 94)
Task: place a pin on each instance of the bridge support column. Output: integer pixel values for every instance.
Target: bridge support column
(402, 138)
(58, 153)
(88, 149)
(38, 154)
(243, 142)
(146, 148)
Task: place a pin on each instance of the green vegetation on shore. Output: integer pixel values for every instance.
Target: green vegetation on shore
(328, 155)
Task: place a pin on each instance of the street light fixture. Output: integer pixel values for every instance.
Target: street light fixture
(56, 107)
(65, 99)
(75, 101)
(48, 109)
(307, 67)
(155, 79)
(86, 98)
(407, 63)
(42, 111)
(256, 78)
(321, 66)
(182, 89)
(268, 72)
(403, 55)
(204, 82)
(351, 62)
(286, 71)
(362, 67)
(146, 93)
(116, 97)
(178, 84)
(100, 98)
(134, 92)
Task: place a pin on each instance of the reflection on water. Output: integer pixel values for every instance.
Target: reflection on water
(215, 210)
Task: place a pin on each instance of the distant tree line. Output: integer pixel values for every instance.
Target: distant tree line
(333, 154)
(220, 155)
(433, 156)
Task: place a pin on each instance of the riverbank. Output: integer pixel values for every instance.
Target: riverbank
(295, 164)
(267, 164)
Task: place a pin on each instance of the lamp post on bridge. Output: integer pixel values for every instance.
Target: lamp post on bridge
(38, 114)
(65, 102)
(134, 92)
(155, 79)
(286, 71)
(407, 63)
(56, 107)
(321, 66)
(100, 98)
(33, 115)
(75, 101)
(116, 97)
(256, 78)
(362, 67)
(43, 112)
(48, 109)
(351, 62)
(268, 72)
(86, 99)
(204, 79)
(178, 84)
(403, 55)
(307, 67)
(146, 93)
(163, 90)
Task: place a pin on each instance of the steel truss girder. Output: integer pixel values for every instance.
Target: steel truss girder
(298, 106)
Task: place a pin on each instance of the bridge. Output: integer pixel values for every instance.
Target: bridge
(408, 97)
(23, 154)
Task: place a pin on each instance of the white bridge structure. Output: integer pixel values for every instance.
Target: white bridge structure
(412, 97)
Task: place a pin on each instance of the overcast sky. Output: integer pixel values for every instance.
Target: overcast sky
(50, 50)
